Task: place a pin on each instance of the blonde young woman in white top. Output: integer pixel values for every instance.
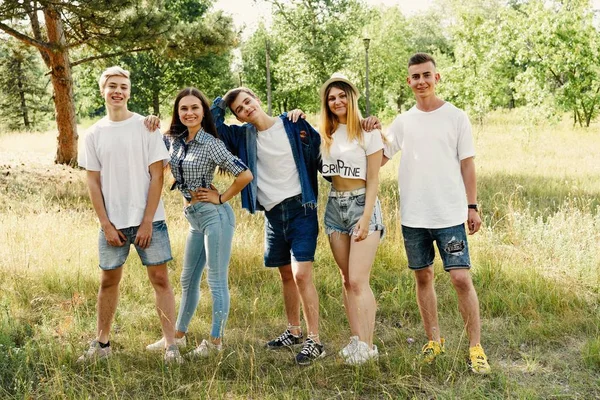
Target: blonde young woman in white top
(353, 221)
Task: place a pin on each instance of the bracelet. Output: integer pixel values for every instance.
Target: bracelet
(473, 207)
(220, 201)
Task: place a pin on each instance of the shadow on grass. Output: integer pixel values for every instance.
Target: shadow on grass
(502, 194)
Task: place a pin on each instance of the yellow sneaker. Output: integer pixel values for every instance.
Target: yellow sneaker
(478, 361)
(433, 349)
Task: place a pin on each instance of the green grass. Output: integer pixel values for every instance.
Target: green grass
(536, 270)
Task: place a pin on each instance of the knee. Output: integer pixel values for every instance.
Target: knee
(461, 281)
(354, 286)
(424, 277)
(109, 282)
(302, 279)
(286, 275)
(160, 281)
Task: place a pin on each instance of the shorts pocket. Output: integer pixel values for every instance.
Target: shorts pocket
(360, 200)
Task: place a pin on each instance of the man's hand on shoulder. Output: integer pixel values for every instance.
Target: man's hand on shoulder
(152, 123)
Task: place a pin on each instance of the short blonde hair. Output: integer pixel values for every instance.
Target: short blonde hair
(110, 72)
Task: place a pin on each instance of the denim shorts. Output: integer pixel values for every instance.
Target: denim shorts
(344, 209)
(451, 243)
(159, 251)
(291, 231)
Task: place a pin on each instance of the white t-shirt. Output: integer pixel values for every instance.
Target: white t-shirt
(122, 152)
(277, 173)
(349, 159)
(432, 191)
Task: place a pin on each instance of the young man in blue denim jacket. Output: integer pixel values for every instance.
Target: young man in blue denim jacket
(283, 154)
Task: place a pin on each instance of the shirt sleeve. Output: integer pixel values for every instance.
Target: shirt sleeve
(374, 141)
(156, 149)
(465, 146)
(167, 141)
(394, 138)
(224, 159)
(88, 158)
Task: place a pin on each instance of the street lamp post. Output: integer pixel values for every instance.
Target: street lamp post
(366, 42)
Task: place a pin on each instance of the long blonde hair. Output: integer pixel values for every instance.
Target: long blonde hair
(329, 121)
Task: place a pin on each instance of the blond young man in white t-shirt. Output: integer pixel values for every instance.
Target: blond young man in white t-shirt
(436, 169)
(125, 177)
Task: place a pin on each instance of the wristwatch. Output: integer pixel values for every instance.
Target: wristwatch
(473, 207)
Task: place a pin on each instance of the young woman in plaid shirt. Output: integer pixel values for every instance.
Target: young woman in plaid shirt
(195, 152)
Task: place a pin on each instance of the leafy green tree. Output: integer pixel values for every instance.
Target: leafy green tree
(23, 104)
(316, 36)
(389, 49)
(559, 47)
(58, 28)
(196, 54)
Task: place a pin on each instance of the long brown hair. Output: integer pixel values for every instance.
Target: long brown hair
(177, 128)
(329, 121)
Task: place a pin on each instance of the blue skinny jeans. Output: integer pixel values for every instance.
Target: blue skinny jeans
(208, 243)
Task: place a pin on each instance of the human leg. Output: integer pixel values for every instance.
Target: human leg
(108, 298)
(219, 238)
(194, 261)
(291, 299)
(340, 248)
(360, 296)
(277, 254)
(309, 297)
(165, 300)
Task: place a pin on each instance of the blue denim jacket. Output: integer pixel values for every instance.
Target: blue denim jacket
(241, 141)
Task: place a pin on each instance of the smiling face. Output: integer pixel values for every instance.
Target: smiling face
(246, 108)
(116, 91)
(190, 112)
(422, 79)
(337, 102)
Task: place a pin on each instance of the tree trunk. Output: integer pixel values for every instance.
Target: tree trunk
(62, 82)
(156, 101)
(24, 114)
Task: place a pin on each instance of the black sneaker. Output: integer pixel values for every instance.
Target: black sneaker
(286, 339)
(311, 351)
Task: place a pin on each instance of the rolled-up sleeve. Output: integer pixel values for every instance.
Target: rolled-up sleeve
(224, 159)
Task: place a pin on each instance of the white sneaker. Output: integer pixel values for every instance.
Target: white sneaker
(160, 345)
(172, 355)
(349, 347)
(205, 348)
(361, 354)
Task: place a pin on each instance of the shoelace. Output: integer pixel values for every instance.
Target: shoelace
(309, 348)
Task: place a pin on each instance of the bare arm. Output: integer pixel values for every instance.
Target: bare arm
(144, 234)
(467, 169)
(113, 236)
(373, 164)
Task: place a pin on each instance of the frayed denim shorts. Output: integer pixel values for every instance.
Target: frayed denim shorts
(451, 243)
(158, 252)
(344, 209)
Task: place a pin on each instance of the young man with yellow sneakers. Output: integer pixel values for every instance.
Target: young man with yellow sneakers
(436, 169)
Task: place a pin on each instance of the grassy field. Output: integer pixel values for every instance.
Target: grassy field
(536, 269)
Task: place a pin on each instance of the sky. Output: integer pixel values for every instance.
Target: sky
(247, 14)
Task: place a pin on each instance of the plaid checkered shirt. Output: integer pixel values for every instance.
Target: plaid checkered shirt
(193, 164)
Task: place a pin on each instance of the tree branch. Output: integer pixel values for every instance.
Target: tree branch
(26, 39)
(101, 56)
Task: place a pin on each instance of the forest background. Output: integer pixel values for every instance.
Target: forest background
(526, 71)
